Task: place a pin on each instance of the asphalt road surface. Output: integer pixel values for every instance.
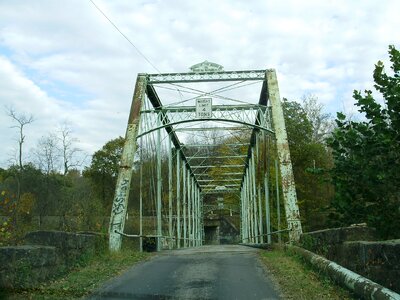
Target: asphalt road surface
(207, 272)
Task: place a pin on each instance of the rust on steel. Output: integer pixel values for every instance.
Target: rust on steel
(120, 202)
(285, 164)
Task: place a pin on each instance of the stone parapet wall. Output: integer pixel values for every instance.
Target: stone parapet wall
(46, 255)
(324, 242)
(70, 246)
(379, 261)
(25, 266)
(357, 249)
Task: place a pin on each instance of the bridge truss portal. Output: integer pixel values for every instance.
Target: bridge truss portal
(218, 142)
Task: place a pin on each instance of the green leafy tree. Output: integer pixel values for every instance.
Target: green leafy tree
(311, 160)
(367, 156)
(103, 170)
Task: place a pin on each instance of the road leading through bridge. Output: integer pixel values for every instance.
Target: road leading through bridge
(206, 272)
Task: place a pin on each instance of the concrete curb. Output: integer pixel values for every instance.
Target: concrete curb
(361, 286)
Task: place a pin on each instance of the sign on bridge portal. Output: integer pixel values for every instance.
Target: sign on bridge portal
(203, 108)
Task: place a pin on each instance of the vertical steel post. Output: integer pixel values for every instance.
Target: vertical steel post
(200, 217)
(203, 235)
(120, 202)
(193, 212)
(170, 192)
(278, 202)
(260, 215)
(246, 223)
(260, 218)
(288, 186)
(196, 217)
(159, 185)
(248, 209)
(254, 197)
(141, 205)
(267, 209)
(178, 198)
(243, 211)
(189, 207)
(251, 207)
(184, 207)
(241, 215)
(266, 189)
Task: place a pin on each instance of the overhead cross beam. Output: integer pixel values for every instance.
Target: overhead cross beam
(206, 76)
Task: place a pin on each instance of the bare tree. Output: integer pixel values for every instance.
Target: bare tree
(321, 122)
(68, 150)
(21, 120)
(47, 153)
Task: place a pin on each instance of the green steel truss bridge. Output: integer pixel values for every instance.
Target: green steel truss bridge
(214, 143)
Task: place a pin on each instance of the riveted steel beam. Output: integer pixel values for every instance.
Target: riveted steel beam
(206, 76)
(219, 174)
(190, 129)
(203, 120)
(213, 145)
(179, 109)
(120, 203)
(213, 191)
(227, 166)
(219, 180)
(216, 157)
(287, 178)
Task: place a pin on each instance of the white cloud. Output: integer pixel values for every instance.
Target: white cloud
(64, 60)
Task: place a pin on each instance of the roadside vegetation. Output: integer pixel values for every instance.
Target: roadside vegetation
(83, 280)
(366, 155)
(346, 171)
(296, 280)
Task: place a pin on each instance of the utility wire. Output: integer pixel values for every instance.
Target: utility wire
(115, 26)
(210, 93)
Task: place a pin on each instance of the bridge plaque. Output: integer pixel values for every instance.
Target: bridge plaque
(203, 108)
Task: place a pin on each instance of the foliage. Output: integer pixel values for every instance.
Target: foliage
(367, 156)
(310, 160)
(69, 199)
(7, 207)
(103, 170)
(47, 192)
(84, 280)
(297, 280)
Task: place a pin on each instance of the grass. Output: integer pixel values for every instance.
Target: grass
(296, 280)
(82, 281)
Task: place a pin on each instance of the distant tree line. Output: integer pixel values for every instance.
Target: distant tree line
(345, 171)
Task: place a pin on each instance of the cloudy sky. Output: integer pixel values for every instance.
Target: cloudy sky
(62, 61)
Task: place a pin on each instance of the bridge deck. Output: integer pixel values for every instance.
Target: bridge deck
(206, 272)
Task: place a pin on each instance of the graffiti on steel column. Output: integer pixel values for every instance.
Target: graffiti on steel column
(116, 226)
(119, 201)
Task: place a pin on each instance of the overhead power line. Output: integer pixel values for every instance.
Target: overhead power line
(130, 42)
